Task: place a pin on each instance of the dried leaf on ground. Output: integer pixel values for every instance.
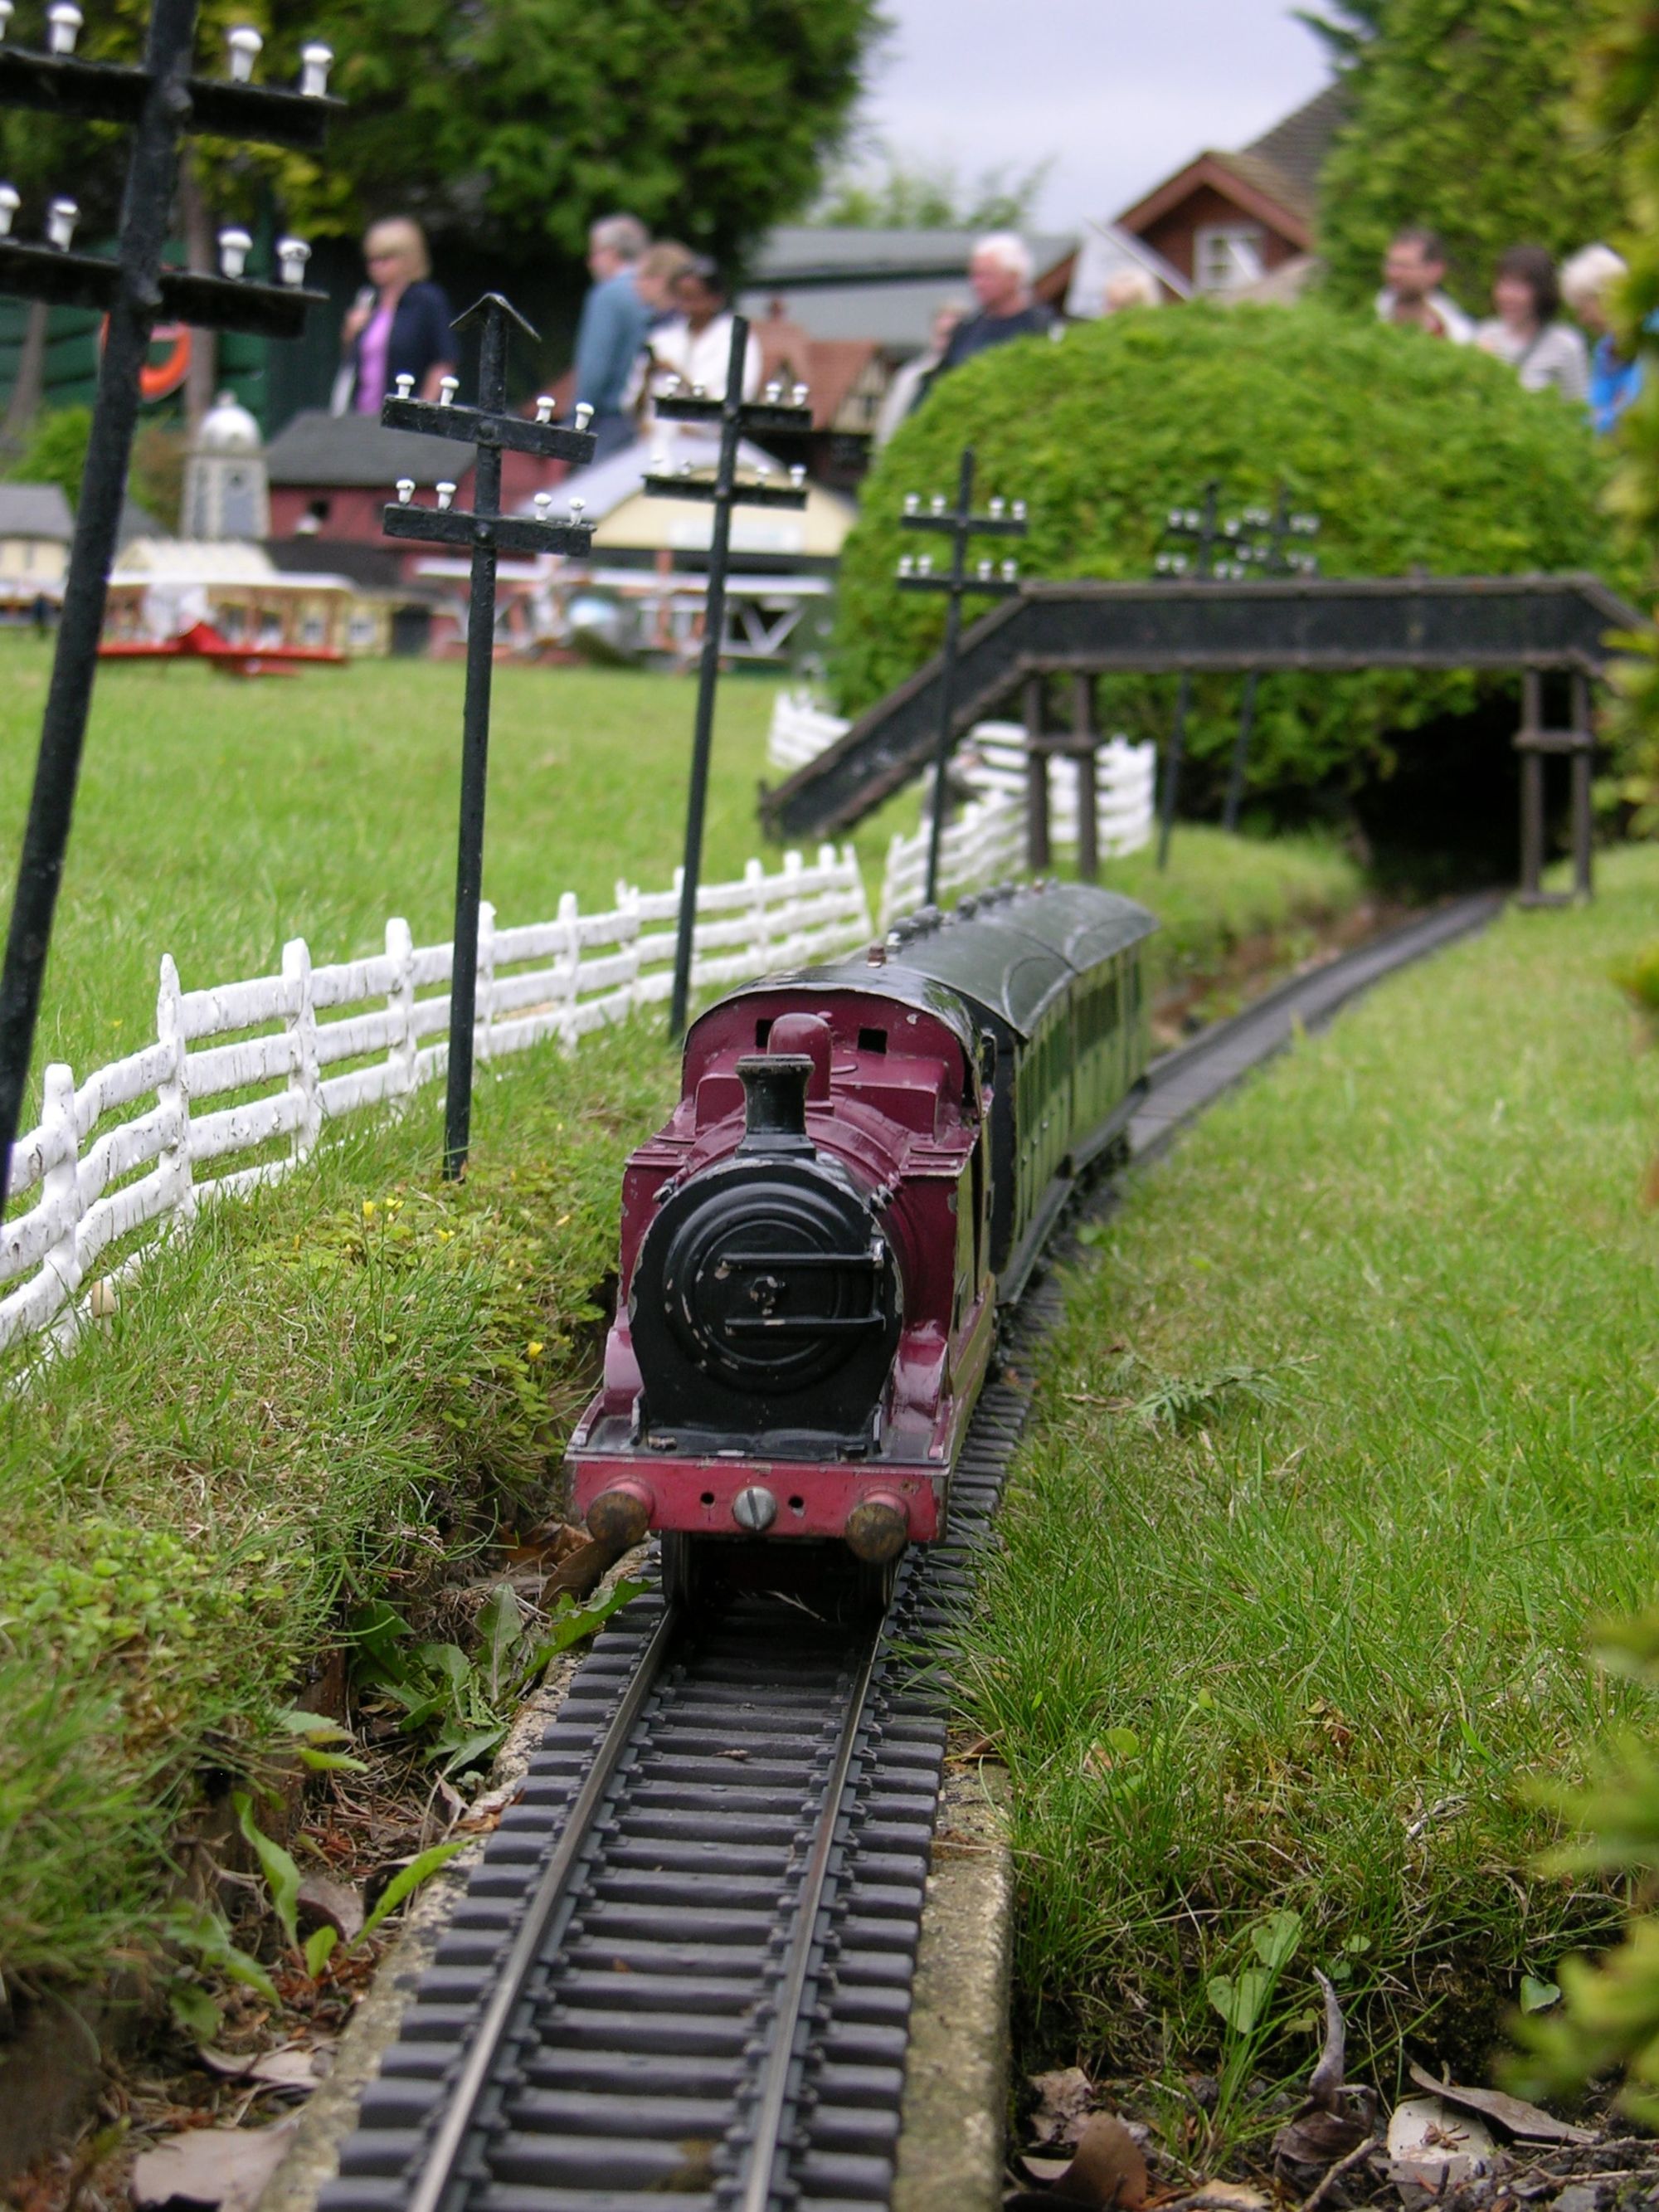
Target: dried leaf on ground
(1530, 2123)
(226, 2167)
(1064, 2099)
(1337, 2117)
(293, 2068)
(325, 1904)
(581, 1569)
(1225, 2197)
(1108, 2169)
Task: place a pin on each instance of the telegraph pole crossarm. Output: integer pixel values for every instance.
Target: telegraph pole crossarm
(486, 532)
(161, 101)
(916, 574)
(731, 417)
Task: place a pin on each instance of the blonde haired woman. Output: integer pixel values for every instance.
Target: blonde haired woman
(399, 325)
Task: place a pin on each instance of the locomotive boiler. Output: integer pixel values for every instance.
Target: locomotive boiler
(862, 1168)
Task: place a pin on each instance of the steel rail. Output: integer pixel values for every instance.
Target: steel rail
(758, 2189)
(438, 2170)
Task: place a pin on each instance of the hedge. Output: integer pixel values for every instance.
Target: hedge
(1412, 452)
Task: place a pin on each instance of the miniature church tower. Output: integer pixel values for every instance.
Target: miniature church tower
(226, 494)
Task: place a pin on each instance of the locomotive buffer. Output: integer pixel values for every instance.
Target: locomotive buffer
(915, 574)
(771, 416)
(486, 531)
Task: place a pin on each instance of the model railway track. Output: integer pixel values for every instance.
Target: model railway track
(683, 1965)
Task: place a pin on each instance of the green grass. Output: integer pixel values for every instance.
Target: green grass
(1350, 1433)
(327, 1394)
(319, 1396)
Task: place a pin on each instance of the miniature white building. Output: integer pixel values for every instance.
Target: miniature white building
(226, 493)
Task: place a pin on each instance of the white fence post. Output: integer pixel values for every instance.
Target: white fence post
(483, 1009)
(400, 1005)
(570, 981)
(173, 1094)
(299, 1020)
(60, 1186)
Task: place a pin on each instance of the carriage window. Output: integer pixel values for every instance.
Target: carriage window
(872, 1040)
(762, 1030)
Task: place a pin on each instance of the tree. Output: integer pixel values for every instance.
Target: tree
(518, 121)
(931, 197)
(522, 120)
(1461, 117)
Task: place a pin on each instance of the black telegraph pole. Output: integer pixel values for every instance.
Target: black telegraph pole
(1197, 528)
(772, 415)
(1276, 556)
(486, 531)
(959, 523)
(159, 102)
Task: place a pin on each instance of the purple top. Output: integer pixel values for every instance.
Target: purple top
(372, 350)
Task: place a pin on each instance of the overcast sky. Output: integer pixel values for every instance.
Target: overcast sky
(1117, 94)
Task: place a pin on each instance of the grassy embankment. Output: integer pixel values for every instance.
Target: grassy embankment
(1350, 1434)
(336, 1391)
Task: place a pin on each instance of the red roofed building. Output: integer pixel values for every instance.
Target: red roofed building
(1226, 220)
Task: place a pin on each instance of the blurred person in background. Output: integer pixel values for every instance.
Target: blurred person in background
(1588, 282)
(999, 270)
(1413, 271)
(1547, 354)
(615, 316)
(695, 343)
(902, 393)
(1130, 288)
(398, 325)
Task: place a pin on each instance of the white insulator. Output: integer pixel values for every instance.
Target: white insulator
(584, 414)
(578, 508)
(1019, 510)
(315, 62)
(61, 216)
(447, 387)
(774, 392)
(985, 570)
(659, 462)
(937, 502)
(925, 566)
(544, 407)
(906, 566)
(912, 503)
(242, 47)
(542, 503)
(405, 490)
(10, 200)
(1009, 571)
(403, 384)
(63, 21)
(997, 507)
(292, 255)
(699, 391)
(798, 395)
(670, 389)
(446, 495)
(7, 11)
(798, 476)
(235, 247)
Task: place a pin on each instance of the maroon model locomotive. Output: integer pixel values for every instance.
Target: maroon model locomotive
(862, 1168)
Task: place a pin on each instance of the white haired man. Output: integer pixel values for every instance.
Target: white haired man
(615, 318)
(1588, 282)
(999, 270)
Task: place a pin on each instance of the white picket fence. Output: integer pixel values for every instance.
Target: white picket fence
(991, 764)
(985, 845)
(800, 731)
(293, 1050)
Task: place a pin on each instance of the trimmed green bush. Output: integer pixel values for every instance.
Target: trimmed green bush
(1413, 451)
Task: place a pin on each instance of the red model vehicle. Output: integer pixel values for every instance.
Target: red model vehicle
(863, 1162)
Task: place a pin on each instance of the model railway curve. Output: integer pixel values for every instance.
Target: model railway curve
(683, 1963)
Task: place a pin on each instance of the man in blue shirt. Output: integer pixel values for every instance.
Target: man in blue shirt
(614, 321)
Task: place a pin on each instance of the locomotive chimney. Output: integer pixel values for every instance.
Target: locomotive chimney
(775, 1102)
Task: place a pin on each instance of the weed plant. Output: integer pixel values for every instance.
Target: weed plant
(1350, 1432)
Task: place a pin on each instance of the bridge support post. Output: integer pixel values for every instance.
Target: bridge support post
(1036, 779)
(1085, 740)
(1533, 742)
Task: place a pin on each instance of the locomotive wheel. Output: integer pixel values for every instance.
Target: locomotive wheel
(687, 1577)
